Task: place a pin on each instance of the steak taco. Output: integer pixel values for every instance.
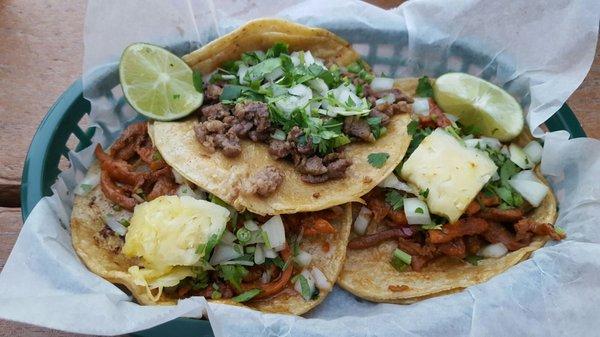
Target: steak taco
(288, 121)
(466, 203)
(138, 223)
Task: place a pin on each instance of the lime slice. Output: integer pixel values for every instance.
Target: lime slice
(479, 103)
(157, 83)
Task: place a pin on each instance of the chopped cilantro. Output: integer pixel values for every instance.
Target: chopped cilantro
(156, 156)
(124, 222)
(473, 259)
(431, 226)
(419, 210)
(86, 187)
(378, 159)
(232, 92)
(395, 199)
(216, 295)
(424, 193)
(176, 96)
(233, 274)
(424, 88)
(198, 82)
(246, 296)
(417, 134)
(278, 262)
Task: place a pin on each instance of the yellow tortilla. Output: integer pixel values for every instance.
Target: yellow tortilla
(224, 176)
(102, 255)
(367, 273)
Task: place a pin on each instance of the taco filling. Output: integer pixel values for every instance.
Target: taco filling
(167, 239)
(456, 195)
(305, 110)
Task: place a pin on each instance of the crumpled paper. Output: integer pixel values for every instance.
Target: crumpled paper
(538, 51)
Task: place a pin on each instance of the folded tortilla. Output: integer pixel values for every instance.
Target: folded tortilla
(367, 273)
(102, 255)
(225, 176)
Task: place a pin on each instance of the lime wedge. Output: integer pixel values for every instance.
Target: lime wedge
(479, 103)
(157, 83)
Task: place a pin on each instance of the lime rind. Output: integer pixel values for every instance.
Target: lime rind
(157, 83)
(480, 103)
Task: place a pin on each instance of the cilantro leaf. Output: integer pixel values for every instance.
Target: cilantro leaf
(424, 193)
(378, 159)
(424, 88)
(246, 296)
(198, 82)
(395, 199)
(233, 274)
(473, 259)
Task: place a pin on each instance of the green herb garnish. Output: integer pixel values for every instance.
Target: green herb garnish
(246, 296)
(198, 82)
(424, 88)
(424, 193)
(473, 259)
(395, 199)
(400, 259)
(378, 159)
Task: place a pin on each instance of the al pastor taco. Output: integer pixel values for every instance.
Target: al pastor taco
(462, 207)
(139, 224)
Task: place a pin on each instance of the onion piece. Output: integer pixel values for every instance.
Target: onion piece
(421, 106)
(115, 225)
(319, 86)
(303, 258)
(526, 175)
(451, 117)
(228, 238)
(533, 150)
(251, 225)
(492, 143)
(382, 84)
(259, 254)
(300, 90)
(269, 253)
(362, 220)
(308, 58)
(387, 99)
(504, 150)
(518, 156)
(91, 180)
(416, 211)
(265, 277)
(392, 181)
(222, 253)
(471, 143)
(495, 176)
(533, 192)
(274, 75)
(186, 190)
(275, 233)
(495, 250)
(242, 70)
(320, 279)
(179, 179)
(311, 285)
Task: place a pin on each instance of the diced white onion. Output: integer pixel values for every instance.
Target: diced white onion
(242, 70)
(421, 106)
(468, 137)
(495, 250)
(504, 150)
(413, 215)
(300, 90)
(533, 150)
(526, 175)
(495, 176)
(251, 225)
(320, 279)
(391, 181)
(303, 258)
(308, 58)
(223, 253)
(138, 198)
(186, 190)
(319, 86)
(275, 233)
(89, 182)
(382, 84)
(362, 220)
(228, 238)
(471, 143)
(179, 179)
(387, 99)
(115, 225)
(269, 253)
(491, 142)
(228, 77)
(518, 156)
(274, 75)
(451, 117)
(259, 255)
(295, 56)
(311, 284)
(533, 192)
(265, 277)
(241, 263)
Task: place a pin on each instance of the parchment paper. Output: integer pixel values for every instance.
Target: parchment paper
(540, 51)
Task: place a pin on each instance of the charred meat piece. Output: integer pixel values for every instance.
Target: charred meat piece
(462, 227)
(264, 182)
(526, 228)
(371, 240)
(280, 148)
(497, 233)
(501, 215)
(358, 128)
(214, 111)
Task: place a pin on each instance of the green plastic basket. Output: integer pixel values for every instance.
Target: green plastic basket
(63, 121)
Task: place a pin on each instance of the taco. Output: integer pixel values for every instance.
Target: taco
(459, 209)
(137, 223)
(287, 123)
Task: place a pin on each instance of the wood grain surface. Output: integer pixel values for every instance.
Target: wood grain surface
(41, 52)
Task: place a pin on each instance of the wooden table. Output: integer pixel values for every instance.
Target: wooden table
(41, 55)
